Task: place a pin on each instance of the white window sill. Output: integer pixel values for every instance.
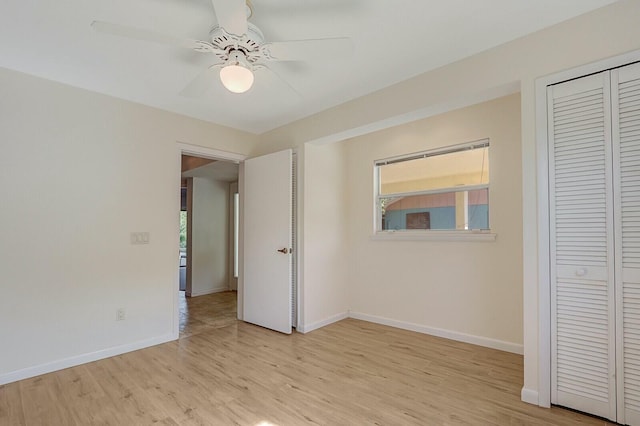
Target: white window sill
(434, 236)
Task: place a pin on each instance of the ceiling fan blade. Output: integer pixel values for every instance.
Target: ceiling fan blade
(268, 77)
(231, 15)
(308, 50)
(146, 35)
(203, 84)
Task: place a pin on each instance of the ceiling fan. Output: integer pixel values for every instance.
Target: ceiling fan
(239, 47)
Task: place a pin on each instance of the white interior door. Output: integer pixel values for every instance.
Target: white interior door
(268, 241)
(581, 217)
(594, 177)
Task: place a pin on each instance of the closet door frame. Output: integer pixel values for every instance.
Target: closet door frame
(625, 98)
(543, 217)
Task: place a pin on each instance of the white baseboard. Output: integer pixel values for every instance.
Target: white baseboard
(447, 334)
(319, 324)
(529, 396)
(211, 291)
(61, 364)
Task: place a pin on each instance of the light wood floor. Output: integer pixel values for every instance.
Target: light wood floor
(349, 373)
(203, 313)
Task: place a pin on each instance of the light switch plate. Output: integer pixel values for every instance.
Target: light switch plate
(140, 238)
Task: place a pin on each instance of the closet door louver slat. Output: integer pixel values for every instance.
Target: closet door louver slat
(583, 343)
(626, 157)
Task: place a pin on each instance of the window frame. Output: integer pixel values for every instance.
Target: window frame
(428, 234)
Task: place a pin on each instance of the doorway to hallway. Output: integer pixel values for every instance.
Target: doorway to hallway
(204, 313)
(204, 298)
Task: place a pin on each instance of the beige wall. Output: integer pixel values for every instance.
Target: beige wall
(466, 288)
(326, 250)
(610, 31)
(209, 236)
(78, 173)
(75, 124)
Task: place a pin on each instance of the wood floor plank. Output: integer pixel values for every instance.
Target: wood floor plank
(180, 393)
(81, 392)
(124, 401)
(222, 371)
(42, 402)
(11, 404)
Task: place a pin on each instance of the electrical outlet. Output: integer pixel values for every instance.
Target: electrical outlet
(120, 314)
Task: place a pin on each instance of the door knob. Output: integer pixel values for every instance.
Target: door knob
(581, 272)
(284, 250)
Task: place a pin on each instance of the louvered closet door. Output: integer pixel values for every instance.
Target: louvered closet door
(583, 305)
(626, 147)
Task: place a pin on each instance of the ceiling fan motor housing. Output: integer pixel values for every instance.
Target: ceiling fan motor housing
(249, 43)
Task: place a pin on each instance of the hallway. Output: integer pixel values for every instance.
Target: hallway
(204, 313)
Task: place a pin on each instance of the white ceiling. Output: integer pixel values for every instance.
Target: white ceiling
(393, 40)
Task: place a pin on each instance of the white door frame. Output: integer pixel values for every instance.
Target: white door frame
(214, 154)
(542, 170)
(233, 189)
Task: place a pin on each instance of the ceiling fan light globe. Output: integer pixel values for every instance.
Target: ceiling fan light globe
(236, 78)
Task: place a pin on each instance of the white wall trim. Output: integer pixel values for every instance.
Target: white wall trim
(210, 291)
(529, 396)
(319, 324)
(61, 364)
(439, 332)
(544, 285)
(205, 152)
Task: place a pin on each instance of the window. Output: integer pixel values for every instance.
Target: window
(444, 189)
